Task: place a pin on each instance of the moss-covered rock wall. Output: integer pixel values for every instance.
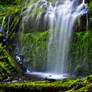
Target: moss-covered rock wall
(33, 50)
(8, 65)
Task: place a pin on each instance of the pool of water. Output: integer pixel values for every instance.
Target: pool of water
(44, 75)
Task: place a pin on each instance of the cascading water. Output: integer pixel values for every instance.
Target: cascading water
(61, 16)
(1, 28)
(62, 20)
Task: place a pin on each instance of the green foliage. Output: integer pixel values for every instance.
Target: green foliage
(34, 48)
(10, 1)
(4, 65)
(38, 35)
(8, 67)
(90, 4)
(86, 40)
(6, 7)
(7, 64)
(81, 52)
(10, 59)
(10, 9)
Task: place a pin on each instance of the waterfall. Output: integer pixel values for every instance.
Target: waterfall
(1, 28)
(61, 16)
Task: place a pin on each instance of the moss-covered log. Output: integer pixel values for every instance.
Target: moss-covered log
(65, 85)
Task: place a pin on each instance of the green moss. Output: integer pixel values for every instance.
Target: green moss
(90, 4)
(9, 7)
(34, 48)
(4, 66)
(39, 86)
(81, 47)
(65, 85)
(10, 59)
(7, 64)
(6, 7)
